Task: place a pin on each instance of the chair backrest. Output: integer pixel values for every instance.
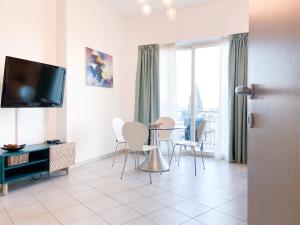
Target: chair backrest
(168, 123)
(135, 134)
(117, 125)
(200, 130)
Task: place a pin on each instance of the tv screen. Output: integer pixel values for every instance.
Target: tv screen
(32, 84)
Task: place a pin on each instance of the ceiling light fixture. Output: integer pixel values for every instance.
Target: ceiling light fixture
(146, 10)
(142, 1)
(167, 3)
(171, 13)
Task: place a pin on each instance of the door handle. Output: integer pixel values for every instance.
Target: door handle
(245, 90)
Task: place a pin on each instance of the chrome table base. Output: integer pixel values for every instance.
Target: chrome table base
(157, 163)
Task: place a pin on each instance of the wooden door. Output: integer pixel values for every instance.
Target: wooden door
(274, 142)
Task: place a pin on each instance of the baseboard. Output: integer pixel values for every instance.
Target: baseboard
(101, 157)
(111, 154)
(205, 154)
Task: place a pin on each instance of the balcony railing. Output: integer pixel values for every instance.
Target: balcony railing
(210, 132)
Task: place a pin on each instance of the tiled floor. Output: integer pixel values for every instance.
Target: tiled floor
(94, 195)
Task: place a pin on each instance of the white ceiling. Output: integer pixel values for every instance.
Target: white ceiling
(128, 8)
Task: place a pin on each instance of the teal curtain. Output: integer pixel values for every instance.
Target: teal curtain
(147, 85)
(238, 75)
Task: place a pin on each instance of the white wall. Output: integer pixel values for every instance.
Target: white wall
(28, 30)
(210, 19)
(90, 109)
(58, 34)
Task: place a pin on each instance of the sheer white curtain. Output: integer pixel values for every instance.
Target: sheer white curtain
(167, 73)
(222, 149)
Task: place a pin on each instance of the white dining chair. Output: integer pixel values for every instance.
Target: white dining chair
(117, 125)
(136, 135)
(166, 135)
(192, 145)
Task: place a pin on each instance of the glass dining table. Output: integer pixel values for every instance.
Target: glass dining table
(157, 162)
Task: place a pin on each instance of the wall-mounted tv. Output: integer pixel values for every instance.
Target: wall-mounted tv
(32, 84)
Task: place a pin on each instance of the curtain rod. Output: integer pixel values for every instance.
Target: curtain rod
(201, 41)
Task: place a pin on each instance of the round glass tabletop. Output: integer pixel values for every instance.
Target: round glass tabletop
(166, 128)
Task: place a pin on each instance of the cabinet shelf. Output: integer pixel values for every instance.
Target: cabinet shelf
(24, 175)
(26, 164)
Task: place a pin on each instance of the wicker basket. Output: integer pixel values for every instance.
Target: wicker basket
(17, 159)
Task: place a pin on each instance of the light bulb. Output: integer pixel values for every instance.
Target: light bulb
(146, 10)
(171, 13)
(167, 3)
(141, 1)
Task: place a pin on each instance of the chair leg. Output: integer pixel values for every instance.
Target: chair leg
(168, 143)
(172, 148)
(148, 160)
(195, 162)
(126, 156)
(135, 165)
(173, 153)
(179, 155)
(201, 151)
(113, 163)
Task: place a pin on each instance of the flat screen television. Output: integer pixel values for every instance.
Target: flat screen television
(32, 84)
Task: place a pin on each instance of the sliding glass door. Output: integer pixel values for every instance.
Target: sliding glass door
(183, 90)
(195, 91)
(207, 91)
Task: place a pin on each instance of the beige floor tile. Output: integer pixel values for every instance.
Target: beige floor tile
(128, 196)
(185, 191)
(193, 222)
(190, 208)
(113, 189)
(76, 188)
(45, 219)
(72, 214)
(102, 204)
(209, 200)
(149, 190)
(233, 209)
(119, 215)
(10, 201)
(15, 192)
(88, 176)
(166, 184)
(89, 195)
(42, 186)
(243, 223)
(168, 198)
(133, 183)
(100, 182)
(241, 200)
(4, 218)
(26, 212)
(64, 181)
(140, 221)
(93, 220)
(167, 216)
(60, 202)
(146, 206)
(229, 194)
(216, 218)
(46, 195)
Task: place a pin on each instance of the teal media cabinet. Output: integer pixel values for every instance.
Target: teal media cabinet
(42, 158)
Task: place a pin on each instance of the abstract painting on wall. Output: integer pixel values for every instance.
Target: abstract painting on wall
(99, 69)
